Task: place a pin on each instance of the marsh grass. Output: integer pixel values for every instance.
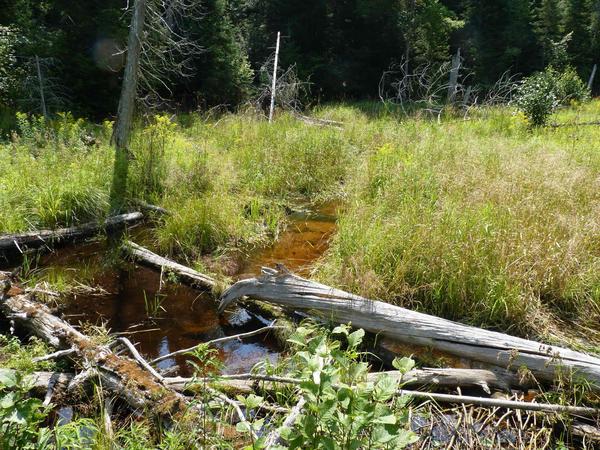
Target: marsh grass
(49, 176)
(481, 221)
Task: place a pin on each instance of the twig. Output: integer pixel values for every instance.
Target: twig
(55, 355)
(274, 437)
(129, 333)
(218, 341)
(139, 359)
(236, 407)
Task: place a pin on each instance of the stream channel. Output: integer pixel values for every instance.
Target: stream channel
(128, 298)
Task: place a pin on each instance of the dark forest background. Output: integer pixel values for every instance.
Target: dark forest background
(340, 46)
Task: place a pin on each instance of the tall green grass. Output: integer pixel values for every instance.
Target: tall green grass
(50, 176)
(480, 221)
(227, 181)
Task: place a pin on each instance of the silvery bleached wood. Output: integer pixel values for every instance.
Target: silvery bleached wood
(284, 288)
(185, 274)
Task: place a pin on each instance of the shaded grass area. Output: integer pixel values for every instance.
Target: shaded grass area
(481, 221)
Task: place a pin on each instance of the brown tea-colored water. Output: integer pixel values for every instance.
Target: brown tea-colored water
(305, 239)
(163, 317)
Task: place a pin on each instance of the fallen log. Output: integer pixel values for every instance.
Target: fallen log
(122, 376)
(425, 377)
(551, 408)
(317, 121)
(36, 239)
(148, 208)
(544, 361)
(152, 260)
(41, 381)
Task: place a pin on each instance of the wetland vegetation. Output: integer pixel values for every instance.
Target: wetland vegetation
(448, 164)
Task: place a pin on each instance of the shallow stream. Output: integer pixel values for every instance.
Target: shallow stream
(163, 317)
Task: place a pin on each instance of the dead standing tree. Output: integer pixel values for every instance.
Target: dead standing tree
(157, 48)
(129, 88)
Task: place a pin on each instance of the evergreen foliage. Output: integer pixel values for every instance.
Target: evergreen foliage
(341, 47)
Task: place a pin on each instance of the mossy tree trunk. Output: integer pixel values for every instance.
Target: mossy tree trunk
(122, 132)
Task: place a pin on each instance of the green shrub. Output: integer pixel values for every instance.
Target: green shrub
(570, 87)
(540, 94)
(537, 97)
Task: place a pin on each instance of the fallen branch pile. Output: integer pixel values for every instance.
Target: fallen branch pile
(120, 375)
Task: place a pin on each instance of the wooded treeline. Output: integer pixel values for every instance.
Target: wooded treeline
(340, 46)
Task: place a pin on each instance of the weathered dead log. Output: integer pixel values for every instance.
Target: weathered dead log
(412, 327)
(425, 377)
(152, 260)
(41, 380)
(122, 376)
(582, 411)
(36, 239)
(154, 209)
(317, 121)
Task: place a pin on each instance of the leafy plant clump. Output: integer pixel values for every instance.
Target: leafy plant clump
(540, 94)
(342, 409)
(571, 88)
(537, 98)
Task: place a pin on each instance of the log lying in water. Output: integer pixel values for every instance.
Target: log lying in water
(36, 239)
(411, 327)
(123, 376)
(150, 259)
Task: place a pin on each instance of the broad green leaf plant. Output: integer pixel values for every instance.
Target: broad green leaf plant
(343, 410)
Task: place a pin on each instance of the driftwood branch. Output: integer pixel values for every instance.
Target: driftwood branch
(36, 239)
(406, 326)
(55, 355)
(152, 260)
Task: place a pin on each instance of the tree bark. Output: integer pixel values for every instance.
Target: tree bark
(126, 108)
(411, 327)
